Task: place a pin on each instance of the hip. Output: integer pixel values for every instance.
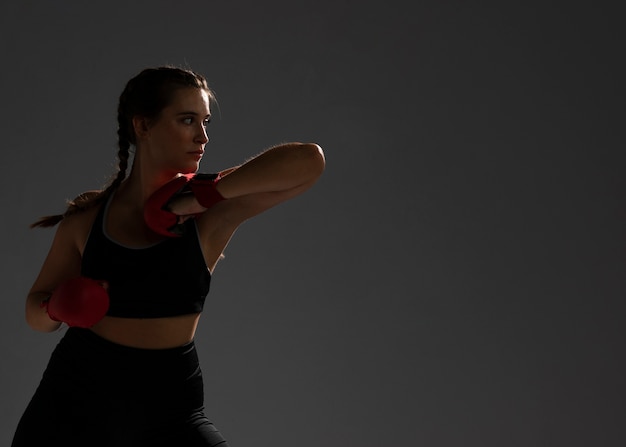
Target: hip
(86, 364)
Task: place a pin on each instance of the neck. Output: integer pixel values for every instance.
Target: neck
(142, 181)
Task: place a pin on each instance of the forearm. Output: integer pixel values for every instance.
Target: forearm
(36, 315)
(280, 168)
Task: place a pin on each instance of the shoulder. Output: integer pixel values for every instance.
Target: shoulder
(87, 208)
(76, 226)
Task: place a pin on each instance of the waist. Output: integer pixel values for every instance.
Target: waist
(148, 333)
(134, 304)
(85, 364)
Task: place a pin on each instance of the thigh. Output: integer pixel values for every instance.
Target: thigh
(56, 418)
(195, 431)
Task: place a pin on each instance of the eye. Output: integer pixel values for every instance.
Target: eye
(206, 122)
(188, 120)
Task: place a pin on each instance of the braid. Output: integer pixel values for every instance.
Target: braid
(123, 153)
(144, 95)
(85, 201)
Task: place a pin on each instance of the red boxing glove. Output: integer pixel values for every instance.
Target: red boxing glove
(161, 220)
(80, 302)
(203, 187)
(164, 222)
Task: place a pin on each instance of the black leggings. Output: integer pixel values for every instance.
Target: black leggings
(98, 393)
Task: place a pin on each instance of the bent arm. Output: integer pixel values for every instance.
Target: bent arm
(61, 263)
(276, 175)
(280, 168)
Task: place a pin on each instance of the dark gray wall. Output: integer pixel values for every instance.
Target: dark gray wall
(456, 278)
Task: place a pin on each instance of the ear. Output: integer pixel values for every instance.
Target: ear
(140, 126)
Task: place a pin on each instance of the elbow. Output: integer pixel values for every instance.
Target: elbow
(38, 320)
(316, 161)
(33, 323)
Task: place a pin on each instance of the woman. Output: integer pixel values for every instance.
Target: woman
(129, 269)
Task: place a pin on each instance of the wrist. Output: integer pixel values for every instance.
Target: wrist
(204, 188)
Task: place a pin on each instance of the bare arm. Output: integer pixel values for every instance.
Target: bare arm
(270, 178)
(280, 168)
(61, 263)
(266, 180)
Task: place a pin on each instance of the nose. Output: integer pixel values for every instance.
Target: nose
(203, 136)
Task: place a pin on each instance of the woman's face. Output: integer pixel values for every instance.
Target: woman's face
(175, 141)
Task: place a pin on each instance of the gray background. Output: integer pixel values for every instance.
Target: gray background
(456, 277)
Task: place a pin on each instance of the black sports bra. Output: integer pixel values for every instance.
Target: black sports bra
(165, 279)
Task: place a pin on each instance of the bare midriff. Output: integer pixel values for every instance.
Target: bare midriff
(148, 333)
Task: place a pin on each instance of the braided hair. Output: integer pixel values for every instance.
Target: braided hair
(146, 95)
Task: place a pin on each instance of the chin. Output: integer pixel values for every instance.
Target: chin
(189, 169)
